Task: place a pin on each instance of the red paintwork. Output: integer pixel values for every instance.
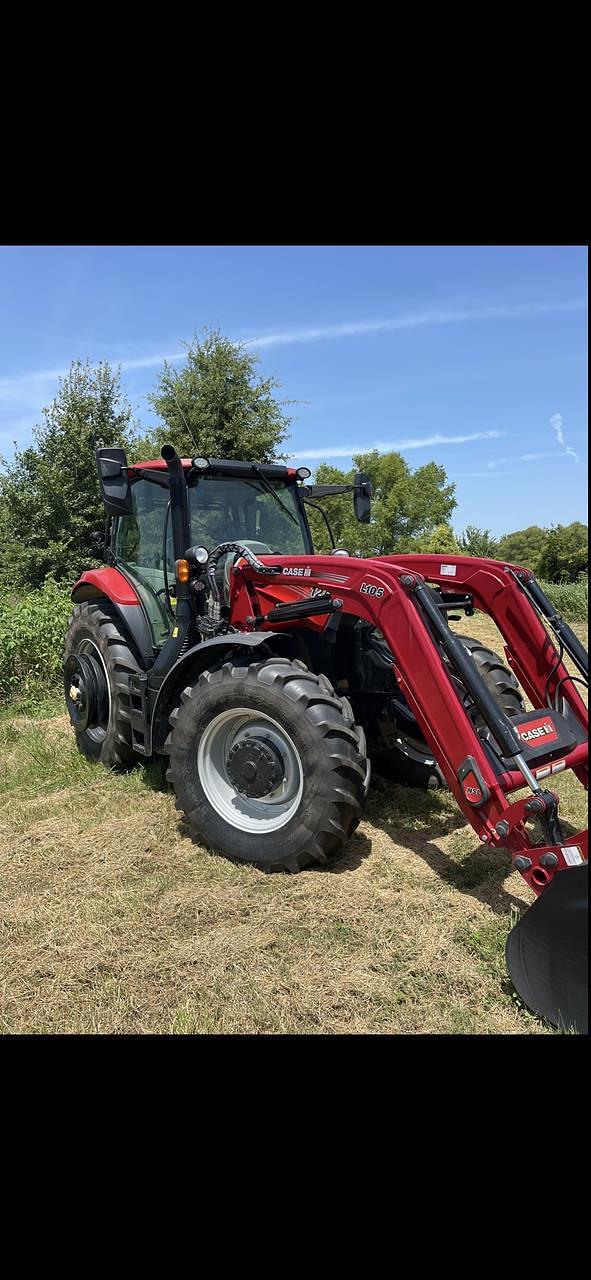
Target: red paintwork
(109, 582)
(420, 672)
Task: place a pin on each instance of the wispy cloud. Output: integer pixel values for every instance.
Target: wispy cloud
(13, 386)
(522, 457)
(31, 387)
(566, 451)
(556, 424)
(413, 320)
(385, 446)
(152, 362)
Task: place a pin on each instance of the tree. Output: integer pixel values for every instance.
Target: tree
(406, 505)
(215, 406)
(566, 553)
(523, 547)
(478, 542)
(441, 542)
(50, 492)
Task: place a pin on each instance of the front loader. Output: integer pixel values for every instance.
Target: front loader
(271, 677)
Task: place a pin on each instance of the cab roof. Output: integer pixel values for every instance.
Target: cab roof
(217, 466)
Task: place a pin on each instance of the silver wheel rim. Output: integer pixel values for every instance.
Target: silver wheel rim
(98, 733)
(247, 813)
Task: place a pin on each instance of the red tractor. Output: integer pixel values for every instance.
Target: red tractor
(271, 676)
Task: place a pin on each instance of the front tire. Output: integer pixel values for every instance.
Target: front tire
(267, 764)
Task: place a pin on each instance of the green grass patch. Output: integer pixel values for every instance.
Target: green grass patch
(487, 942)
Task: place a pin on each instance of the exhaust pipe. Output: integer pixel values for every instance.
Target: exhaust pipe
(179, 503)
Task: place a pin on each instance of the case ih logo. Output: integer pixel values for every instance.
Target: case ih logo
(298, 573)
(538, 732)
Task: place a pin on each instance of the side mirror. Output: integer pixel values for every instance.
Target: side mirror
(114, 481)
(362, 498)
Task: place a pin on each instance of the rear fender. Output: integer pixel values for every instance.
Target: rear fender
(196, 660)
(110, 584)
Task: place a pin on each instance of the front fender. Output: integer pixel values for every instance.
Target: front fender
(194, 661)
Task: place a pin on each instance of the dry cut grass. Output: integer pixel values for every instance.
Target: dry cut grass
(112, 921)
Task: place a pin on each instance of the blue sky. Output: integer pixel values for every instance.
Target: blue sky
(475, 357)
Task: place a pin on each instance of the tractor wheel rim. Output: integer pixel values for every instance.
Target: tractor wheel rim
(247, 813)
(98, 732)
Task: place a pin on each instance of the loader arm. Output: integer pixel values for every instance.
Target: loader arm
(390, 593)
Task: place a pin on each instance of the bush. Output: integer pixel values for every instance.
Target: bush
(478, 542)
(565, 556)
(571, 598)
(32, 628)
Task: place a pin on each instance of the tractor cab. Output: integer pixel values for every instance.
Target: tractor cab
(261, 510)
(156, 510)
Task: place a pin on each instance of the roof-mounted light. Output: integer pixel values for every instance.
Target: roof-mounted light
(303, 473)
(202, 464)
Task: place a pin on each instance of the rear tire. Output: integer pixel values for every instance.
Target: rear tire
(94, 628)
(413, 767)
(497, 676)
(307, 751)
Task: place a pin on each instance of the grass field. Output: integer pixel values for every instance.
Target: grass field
(112, 921)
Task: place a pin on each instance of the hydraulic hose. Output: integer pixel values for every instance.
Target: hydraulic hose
(226, 548)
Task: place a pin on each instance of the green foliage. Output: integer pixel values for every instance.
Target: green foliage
(570, 598)
(442, 541)
(230, 412)
(32, 628)
(478, 542)
(405, 505)
(49, 495)
(524, 547)
(560, 554)
(566, 553)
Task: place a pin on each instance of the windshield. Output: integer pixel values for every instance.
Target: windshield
(228, 509)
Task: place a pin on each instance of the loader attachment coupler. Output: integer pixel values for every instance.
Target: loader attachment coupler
(547, 952)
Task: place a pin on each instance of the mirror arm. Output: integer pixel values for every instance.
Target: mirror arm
(317, 507)
(326, 490)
